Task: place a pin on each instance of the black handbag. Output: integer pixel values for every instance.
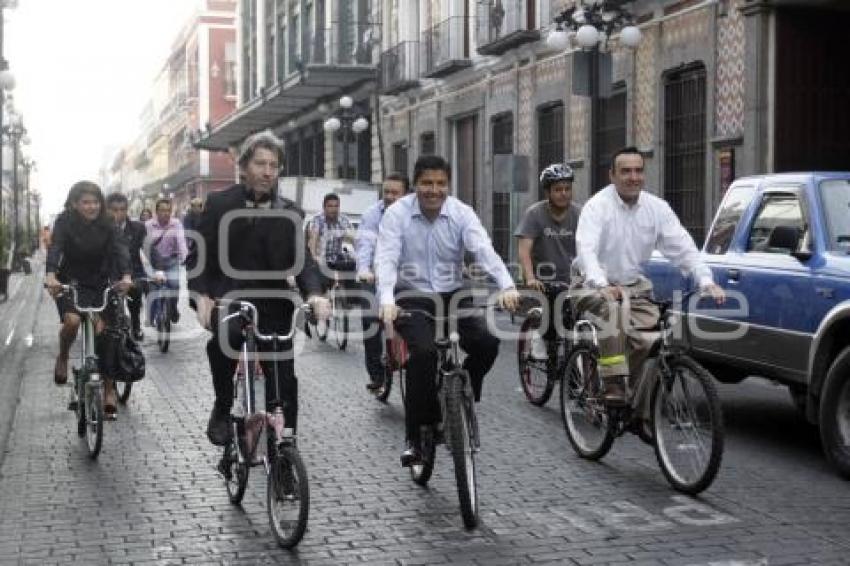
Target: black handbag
(120, 356)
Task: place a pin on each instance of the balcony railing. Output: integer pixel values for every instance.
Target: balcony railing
(503, 25)
(343, 44)
(445, 48)
(400, 67)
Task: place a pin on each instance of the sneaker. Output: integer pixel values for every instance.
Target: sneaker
(218, 428)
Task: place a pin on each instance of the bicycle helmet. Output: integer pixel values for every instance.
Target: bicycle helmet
(555, 173)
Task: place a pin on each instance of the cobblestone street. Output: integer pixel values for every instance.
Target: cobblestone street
(153, 497)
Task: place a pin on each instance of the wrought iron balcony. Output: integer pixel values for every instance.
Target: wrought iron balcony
(400, 67)
(505, 24)
(445, 48)
(342, 44)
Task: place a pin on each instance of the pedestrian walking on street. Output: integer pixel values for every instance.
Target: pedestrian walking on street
(134, 234)
(394, 187)
(145, 215)
(88, 250)
(261, 247)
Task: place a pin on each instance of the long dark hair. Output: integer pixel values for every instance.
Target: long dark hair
(78, 190)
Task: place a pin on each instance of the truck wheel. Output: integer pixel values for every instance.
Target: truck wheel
(835, 413)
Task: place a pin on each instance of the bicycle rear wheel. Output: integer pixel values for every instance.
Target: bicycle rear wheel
(687, 421)
(288, 497)
(533, 373)
(93, 408)
(123, 388)
(421, 471)
(459, 434)
(585, 416)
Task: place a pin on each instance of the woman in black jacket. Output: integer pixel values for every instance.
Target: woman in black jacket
(88, 250)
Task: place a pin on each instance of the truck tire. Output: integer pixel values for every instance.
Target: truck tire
(835, 413)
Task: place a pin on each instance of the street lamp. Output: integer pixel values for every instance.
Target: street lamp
(348, 121)
(592, 24)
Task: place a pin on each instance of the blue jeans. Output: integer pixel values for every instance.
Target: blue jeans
(171, 287)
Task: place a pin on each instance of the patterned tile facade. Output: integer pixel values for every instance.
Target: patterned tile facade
(552, 70)
(524, 127)
(579, 110)
(729, 83)
(687, 29)
(502, 84)
(644, 110)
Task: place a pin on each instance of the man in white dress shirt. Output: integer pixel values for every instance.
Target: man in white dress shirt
(619, 228)
(421, 245)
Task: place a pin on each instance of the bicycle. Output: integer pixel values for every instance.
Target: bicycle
(88, 385)
(394, 360)
(685, 417)
(160, 312)
(538, 375)
(287, 489)
(458, 428)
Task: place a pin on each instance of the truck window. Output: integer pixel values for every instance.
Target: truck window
(835, 195)
(734, 204)
(777, 209)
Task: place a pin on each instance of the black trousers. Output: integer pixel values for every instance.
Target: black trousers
(419, 331)
(222, 366)
(373, 336)
(134, 304)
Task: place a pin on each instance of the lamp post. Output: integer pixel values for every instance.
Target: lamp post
(28, 165)
(590, 24)
(349, 121)
(16, 132)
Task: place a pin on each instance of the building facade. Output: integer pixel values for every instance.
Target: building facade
(716, 89)
(296, 59)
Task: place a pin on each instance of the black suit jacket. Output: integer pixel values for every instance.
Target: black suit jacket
(262, 246)
(134, 234)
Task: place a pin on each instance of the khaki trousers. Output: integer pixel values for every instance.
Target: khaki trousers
(626, 330)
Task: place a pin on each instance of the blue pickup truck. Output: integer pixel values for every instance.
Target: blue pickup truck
(780, 246)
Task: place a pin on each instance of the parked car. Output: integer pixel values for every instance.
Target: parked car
(780, 245)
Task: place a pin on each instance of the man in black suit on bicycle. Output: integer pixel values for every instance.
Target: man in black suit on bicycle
(265, 245)
(134, 233)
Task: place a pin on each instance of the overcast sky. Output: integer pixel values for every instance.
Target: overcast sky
(84, 71)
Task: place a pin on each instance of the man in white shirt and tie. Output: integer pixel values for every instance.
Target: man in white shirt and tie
(421, 245)
(619, 228)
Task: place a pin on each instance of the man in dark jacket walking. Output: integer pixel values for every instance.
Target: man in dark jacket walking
(134, 234)
(265, 245)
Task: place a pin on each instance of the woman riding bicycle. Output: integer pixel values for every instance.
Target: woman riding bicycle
(87, 250)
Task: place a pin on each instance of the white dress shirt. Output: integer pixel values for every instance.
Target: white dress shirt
(613, 239)
(427, 256)
(367, 236)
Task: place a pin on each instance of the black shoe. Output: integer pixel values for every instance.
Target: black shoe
(410, 456)
(218, 428)
(175, 317)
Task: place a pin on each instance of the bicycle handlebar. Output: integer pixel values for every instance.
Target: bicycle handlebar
(88, 310)
(249, 314)
(407, 313)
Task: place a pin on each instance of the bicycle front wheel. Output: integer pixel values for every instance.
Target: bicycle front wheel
(340, 324)
(94, 418)
(235, 472)
(163, 330)
(687, 421)
(533, 373)
(585, 417)
(459, 435)
(288, 497)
